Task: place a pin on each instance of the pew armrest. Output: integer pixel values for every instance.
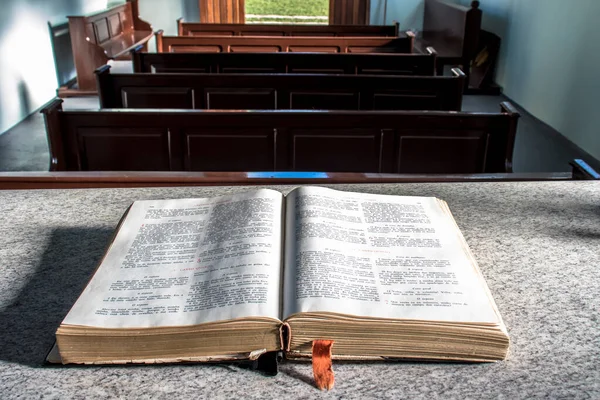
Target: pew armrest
(51, 111)
(180, 26)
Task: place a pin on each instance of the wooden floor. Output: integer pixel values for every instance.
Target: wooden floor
(538, 147)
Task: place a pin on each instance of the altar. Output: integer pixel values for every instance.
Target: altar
(537, 244)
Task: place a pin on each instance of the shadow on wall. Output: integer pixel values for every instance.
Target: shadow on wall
(62, 51)
(191, 11)
(27, 70)
(24, 99)
(414, 20)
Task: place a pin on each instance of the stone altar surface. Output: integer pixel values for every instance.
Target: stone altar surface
(537, 244)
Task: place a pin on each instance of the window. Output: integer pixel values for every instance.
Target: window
(287, 11)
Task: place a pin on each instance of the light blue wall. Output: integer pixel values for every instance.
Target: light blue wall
(550, 62)
(27, 72)
(163, 14)
(495, 19)
(408, 12)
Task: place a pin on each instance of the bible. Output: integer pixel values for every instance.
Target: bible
(232, 277)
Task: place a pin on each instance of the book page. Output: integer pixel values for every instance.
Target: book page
(189, 261)
(379, 256)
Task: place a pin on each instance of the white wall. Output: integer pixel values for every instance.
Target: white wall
(27, 71)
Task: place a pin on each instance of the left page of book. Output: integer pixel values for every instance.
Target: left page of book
(187, 262)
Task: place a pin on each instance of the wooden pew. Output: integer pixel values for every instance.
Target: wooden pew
(403, 43)
(280, 91)
(281, 140)
(453, 30)
(104, 36)
(208, 29)
(307, 63)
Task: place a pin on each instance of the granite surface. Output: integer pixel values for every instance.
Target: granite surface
(537, 244)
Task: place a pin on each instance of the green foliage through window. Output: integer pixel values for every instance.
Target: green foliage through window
(287, 11)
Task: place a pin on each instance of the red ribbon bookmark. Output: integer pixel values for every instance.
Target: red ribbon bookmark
(321, 362)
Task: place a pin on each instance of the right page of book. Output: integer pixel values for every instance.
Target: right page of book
(380, 256)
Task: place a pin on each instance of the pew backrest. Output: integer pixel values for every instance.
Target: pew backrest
(280, 91)
(280, 140)
(403, 43)
(208, 29)
(453, 30)
(306, 63)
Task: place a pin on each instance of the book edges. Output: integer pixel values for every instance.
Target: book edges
(53, 357)
(297, 356)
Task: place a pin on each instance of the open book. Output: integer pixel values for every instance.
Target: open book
(231, 277)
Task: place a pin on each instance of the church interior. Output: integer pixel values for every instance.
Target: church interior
(269, 198)
(550, 80)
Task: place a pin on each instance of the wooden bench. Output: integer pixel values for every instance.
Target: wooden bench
(104, 36)
(453, 30)
(207, 29)
(318, 63)
(281, 140)
(280, 91)
(403, 43)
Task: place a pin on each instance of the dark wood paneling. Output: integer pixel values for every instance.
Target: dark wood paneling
(280, 91)
(453, 30)
(349, 64)
(335, 150)
(407, 100)
(434, 141)
(101, 30)
(225, 98)
(403, 43)
(460, 151)
(123, 149)
(158, 97)
(201, 29)
(324, 100)
(242, 149)
(114, 23)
